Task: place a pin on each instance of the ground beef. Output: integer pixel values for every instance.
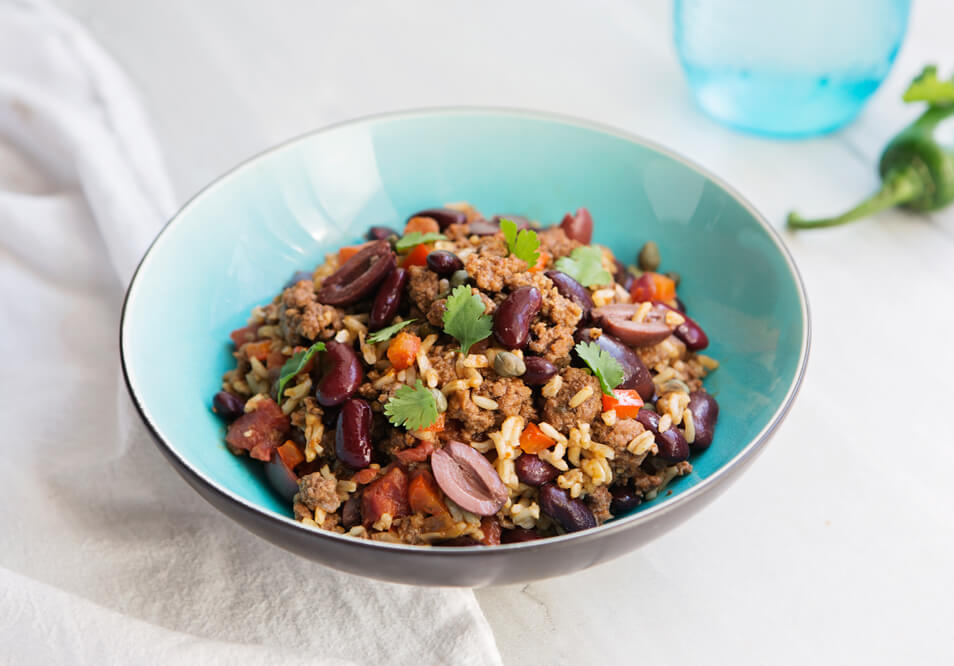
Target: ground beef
(513, 397)
(555, 242)
(552, 341)
(491, 273)
(318, 492)
(474, 421)
(625, 466)
(435, 314)
(670, 349)
(395, 440)
(302, 318)
(619, 435)
(599, 503)
(422, 287)
(411, 527)
(442, 360)
(557, 411)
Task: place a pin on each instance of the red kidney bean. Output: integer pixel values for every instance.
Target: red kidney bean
(624, 500)
(705, 413)
(518, 535)
(672, 445)
(353, 434)
(689, 331)
(512, 317)
(572, 290)
(635, 373)
(617, 320)
(572, 514)
(642, 288)
(444, 263)
(297, 277)
(389, 298)
(342, 376)
(468, 478)
(539, 371)
(483, 228)
(351, 511)
(443, 216)
(358, 276)
(533, 471)
(381, 233)
(283, 479)
(228, 407)
(579, 226)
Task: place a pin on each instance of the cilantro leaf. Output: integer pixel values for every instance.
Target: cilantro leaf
(606, 368)
(585, 265)
(388, 332)
(522, 245)
(413, 408)
(464, 318)
(407, 241)
(294, 365)
(928, 88)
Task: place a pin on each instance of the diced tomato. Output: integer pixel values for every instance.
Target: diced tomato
(437, 426)
(417, 256)
(386, 495)
(425, 225)
(259, 350)
(533, 440)
(419, 453)
(349, 251)
(653, 287)
(245, 334)
(403, 350)
(365, 476)
(424, 496)
(625, 402)
(491, 529)
(290, 454)
(541, 264)
(259, 432)
(275, 360)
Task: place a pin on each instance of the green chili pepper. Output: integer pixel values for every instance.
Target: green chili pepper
(917, 167)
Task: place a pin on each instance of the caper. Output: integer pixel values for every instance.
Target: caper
(508, 364)
(674, 276)
(648, 258)
(458, 278)
(440, 399)
(649, 406)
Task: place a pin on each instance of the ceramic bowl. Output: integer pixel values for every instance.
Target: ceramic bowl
(237, 242)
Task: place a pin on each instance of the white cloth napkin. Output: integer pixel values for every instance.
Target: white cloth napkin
(106, 556)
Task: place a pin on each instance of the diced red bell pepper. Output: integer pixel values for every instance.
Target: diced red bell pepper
(417, 256)
(625, 402)
(386, 495)
(541, 264)
(419, 453)
(365, 476)
(290, 454)
(259, 350)
(349, 251)
(259, 432)
(424, 225)
(403, 350)
(424, 496)
(532, 439)
(653, 287)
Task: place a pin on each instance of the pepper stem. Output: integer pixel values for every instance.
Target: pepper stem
(900, 185)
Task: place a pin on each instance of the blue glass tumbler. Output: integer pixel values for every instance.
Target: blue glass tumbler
(787, 67)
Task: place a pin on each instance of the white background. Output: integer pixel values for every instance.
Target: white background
(838, 545)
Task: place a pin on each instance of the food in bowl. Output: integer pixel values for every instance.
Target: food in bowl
(471, 381)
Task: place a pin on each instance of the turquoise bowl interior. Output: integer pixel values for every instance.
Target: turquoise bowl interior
(237, 242)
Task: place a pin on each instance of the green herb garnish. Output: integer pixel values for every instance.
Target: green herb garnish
(388, 332)
(415, 238)
(464, 318)
(606, 368)
(522, 245)
(585, 265)
(294, 365)
(414, 408)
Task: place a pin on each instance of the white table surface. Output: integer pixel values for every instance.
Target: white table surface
(838, 545)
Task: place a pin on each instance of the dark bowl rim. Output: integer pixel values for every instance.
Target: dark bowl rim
(749, 451)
